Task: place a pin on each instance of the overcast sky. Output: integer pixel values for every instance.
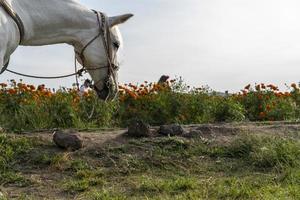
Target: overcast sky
(225, 44)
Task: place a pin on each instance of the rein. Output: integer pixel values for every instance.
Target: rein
(104, 33)
(79, 73)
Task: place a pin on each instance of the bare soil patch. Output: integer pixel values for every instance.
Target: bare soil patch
(217, 132)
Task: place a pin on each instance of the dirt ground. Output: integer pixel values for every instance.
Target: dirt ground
(45, 178)
(216, 132)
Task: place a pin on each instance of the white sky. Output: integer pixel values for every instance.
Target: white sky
(225, 44)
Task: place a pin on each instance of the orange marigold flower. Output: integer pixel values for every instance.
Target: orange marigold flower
(41, 87)
(273, 87)
(133, 87)
(86, 94)
(48, 94)
(132, 94)
(146, 90)
(12, 91)
(142, 93)
(3, 85)
(31, 87)
(287, 94)
(262, 114)
(279, 94)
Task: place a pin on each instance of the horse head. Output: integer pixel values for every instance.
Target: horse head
(100, 55)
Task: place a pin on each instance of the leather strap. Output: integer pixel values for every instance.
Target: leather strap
(4, 68)
(5, 5)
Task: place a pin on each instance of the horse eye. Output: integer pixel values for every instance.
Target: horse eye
(116, 45)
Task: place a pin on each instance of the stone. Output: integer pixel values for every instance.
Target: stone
(69, 140)
(138, 128)
(171, 130)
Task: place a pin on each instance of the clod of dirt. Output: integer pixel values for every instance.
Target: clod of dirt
(171, 130)
(67, 140)
(138, 128)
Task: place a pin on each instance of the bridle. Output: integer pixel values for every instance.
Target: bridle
(104, 33)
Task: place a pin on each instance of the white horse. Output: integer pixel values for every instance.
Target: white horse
(65, 21)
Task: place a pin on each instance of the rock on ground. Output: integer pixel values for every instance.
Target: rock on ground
(137, 128)
(171, 130)
(67, 140)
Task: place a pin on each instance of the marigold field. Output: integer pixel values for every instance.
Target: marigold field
(27, 107)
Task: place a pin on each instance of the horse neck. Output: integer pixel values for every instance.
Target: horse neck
(55, 21)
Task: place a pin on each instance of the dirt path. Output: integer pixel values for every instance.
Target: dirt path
(217, 132)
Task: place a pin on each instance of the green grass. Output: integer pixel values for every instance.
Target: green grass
(249, 167)
(11, 149)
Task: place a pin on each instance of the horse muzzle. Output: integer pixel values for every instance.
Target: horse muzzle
(103, 93)
(108, 92)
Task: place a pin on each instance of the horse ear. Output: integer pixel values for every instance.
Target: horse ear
(116, 20)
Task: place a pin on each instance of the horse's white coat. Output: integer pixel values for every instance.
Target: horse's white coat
(57, 21)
